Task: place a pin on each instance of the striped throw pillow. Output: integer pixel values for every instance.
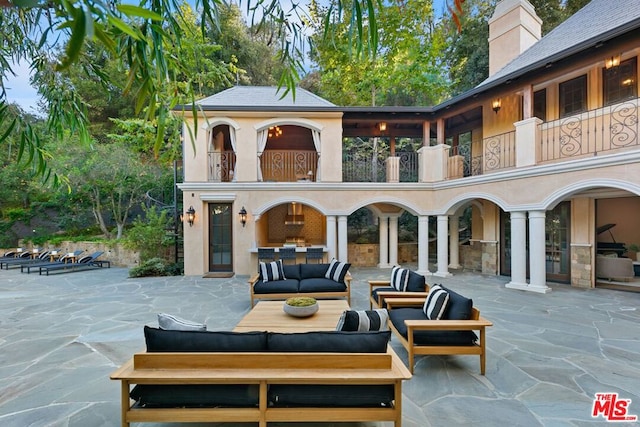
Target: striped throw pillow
(337, 270)
(271, 271)
(399, 278)
(363, 320)
(436, 303)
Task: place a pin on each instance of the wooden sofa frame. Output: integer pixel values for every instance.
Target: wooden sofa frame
(382, 295)
(476, 323)
(263, 369)
(318, 295)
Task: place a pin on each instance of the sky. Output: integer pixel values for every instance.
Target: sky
(20, 91)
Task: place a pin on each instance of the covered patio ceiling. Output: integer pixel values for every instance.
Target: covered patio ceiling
(405, 122)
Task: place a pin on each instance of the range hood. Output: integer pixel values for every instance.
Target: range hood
(294, 214)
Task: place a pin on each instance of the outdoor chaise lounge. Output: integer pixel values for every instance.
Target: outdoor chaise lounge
(84, 263)
(10, 254)
(26, 268)
(38, 257)
(14, 256)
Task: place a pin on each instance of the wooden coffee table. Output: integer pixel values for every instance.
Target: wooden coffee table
(269, 316)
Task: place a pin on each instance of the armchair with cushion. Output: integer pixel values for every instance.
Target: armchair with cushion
(403, 283)
(442, 324)
(614, 268)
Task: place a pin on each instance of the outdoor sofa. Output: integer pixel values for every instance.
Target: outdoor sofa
(277, 281)
(203, 376)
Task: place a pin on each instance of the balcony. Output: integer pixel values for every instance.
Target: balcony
(221, 166)
(368, 167)
(591, 133)
(288, 165)
(488, 155)
(603, 130)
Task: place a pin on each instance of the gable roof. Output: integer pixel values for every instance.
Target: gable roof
(584, 28)
(596, 23)
(264, 97)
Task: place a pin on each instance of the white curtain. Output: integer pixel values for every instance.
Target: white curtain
(317, 145)
(232, 137)
(262, 143)
(212, 172)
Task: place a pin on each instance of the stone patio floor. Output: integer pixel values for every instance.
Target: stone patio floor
(548, 354)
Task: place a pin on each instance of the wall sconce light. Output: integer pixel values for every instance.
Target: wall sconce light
(243, 216)
(191, 215)
(496, 105)
(382, 126)
(614, 61)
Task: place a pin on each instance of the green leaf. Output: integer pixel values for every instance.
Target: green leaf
(131, 10)
(9, 129)
(122, 26)
(74, 45)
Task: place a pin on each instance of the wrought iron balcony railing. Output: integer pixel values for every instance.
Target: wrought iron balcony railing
(221, 166)
(288, 165)
(359, 166)
(596, 131)
(489, 155)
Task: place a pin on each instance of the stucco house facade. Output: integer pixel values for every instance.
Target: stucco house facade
(544, 156)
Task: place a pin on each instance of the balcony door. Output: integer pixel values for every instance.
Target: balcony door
(220, 237)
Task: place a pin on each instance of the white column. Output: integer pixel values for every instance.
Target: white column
(537, 252)
(342, 239)
(383, 230)
(423, 245)
(393, 241)
(454, 242)
(518, 251)
(393, 169)
(443, 249)
(331, 237)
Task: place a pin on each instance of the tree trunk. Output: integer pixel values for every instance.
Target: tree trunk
(97, 214)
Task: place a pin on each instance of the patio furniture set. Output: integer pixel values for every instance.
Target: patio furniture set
(276, 367)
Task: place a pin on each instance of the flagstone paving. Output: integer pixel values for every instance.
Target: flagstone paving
(548, 354)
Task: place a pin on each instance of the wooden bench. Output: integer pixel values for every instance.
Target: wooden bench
(476, 323)
(264, 370)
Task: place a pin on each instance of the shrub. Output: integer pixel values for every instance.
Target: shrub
(175, 269)
(157, 267)
(150, 267)
(149, 235)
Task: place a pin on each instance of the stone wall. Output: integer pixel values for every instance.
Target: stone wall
(368, 255)
(490, 257)
(117, 254)
(581, 272)
(471, 256)
(363, 255)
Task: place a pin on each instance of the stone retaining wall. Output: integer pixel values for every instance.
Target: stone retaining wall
(117, 254)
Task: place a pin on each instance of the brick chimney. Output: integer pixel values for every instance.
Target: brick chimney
(513, 28)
